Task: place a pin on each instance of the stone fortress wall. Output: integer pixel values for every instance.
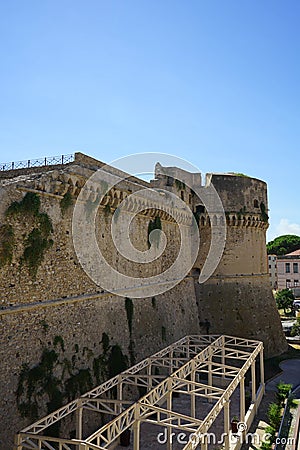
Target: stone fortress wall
(60, 309)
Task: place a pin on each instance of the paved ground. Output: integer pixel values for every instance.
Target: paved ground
(290, 374)
(153, 437)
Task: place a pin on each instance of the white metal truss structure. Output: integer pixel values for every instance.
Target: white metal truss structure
(222, 361)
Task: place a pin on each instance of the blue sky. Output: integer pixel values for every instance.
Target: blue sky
(215, 82)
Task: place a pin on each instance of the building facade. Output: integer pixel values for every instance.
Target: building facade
(288, 267)
(272, 264)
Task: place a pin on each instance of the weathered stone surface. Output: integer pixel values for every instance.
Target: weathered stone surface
(63, 301)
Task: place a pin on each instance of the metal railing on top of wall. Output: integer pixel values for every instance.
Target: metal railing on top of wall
(29, 163)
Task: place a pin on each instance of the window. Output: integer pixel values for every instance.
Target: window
(287, 268)
(182, 195)
(295, 267)
(255, 203)
(270, 266)
(296, 283)
(288, 283)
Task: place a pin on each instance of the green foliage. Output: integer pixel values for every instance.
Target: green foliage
(240, 174)
(37, 242)
(283, 390)
(131, 352)
(272, 431)
(117, 362)
(7, 240)
(274, 415)
(104, 187)
(283, 245)
(36, 381)
(44, 325)
(30, 204)
(58, 340)
(36, 246)
(266, 446)
(45, 224)
(39, 385)
(129, 313)
(90, 207)
(263, 213)
(154, 225)
(284, 299)
(100, 368)
(295, 331)
(79, 383)
(105, 342)
(180, 185)
(66, 202)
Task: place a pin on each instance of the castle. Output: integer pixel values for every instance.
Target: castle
(52, 306)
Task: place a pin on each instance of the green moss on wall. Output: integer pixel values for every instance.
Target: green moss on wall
(66, 202)
(129, 313)
(56, 380)
(180, 185)
(35, 247)
(30, 204)
(38, 240)
(7, 240)
(263, 213)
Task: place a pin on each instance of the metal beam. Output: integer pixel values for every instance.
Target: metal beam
(184, 373)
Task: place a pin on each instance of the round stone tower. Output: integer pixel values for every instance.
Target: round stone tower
(237, 299)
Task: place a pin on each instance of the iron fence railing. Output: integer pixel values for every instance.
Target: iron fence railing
(27, 164)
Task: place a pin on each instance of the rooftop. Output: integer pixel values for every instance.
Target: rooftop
(294, 253)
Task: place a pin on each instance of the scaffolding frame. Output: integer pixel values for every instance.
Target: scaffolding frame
(184, 362)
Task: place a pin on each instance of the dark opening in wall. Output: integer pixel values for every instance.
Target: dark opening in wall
(170, 181)
(200, 209)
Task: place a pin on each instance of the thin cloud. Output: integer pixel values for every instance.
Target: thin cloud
(285, 227)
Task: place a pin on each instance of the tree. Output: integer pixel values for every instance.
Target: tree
(283, 244)
(284, 299)
(295, 331)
